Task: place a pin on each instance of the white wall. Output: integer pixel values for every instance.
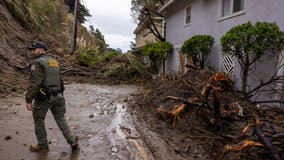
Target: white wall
(206, 19)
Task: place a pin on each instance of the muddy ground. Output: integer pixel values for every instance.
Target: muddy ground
(120, 122)
(194, 136)
(96, 113)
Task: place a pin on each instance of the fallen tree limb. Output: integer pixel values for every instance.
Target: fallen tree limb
(76, 72)
(20, 67)
(207, 137)
(175, 112)
(231, 137)
(266, 141)
(185, 101)
(269, 101)
(83, 68)
(279, 135)
(237, 147)
(68, 70)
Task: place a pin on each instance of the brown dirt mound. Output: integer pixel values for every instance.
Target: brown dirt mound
(14, 56)
(194, 137)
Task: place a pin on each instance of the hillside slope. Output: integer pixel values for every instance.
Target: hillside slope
(55, 31)
(13, 52)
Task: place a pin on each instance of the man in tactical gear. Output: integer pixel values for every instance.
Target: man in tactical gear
(46, 89)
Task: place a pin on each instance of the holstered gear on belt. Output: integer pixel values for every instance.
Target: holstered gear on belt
(50, 91)
(46, 93)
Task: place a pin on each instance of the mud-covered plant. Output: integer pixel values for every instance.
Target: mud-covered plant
(249, 42)
(198, 48)
(158, 51)
(136, 63)
(88, 56)
(118, 71)
(110, 55)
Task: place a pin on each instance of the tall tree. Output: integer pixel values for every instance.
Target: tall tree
(100, 40)
(132, 45)
(146, 13)
(83, 12)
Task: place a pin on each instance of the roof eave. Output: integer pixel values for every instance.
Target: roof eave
(138, 28)
(165, 6)
(141, 25)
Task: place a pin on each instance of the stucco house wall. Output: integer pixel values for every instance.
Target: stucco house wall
(206, 19)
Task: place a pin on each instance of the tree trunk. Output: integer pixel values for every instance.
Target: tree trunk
(245, 71)
(155, 66)
(194, 60)
(244, 81)
(164, 67)
(202, 62)
(202, 65)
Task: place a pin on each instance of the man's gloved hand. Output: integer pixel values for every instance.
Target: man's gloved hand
(29, 107)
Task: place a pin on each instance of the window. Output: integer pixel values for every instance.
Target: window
(144, 33)
(187, 15)
(238, 5)
(231, 6)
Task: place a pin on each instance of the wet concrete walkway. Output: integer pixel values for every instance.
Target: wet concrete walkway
(97, 114)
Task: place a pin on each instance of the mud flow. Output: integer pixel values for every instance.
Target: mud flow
(97, 114)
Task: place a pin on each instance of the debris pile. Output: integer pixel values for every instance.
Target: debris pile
(201, 112)
(124, 68)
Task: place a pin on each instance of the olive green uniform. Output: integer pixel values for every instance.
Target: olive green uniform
(46, 89)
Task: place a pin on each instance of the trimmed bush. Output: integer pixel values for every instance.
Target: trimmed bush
(249, 42)
(198, 47)
(158, 51)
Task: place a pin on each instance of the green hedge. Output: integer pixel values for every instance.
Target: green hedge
(198, 48)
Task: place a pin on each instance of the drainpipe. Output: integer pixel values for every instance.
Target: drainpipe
(164, 28)
(164, 35)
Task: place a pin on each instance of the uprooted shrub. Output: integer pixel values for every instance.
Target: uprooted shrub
(198, 47)
(118, 71)
(126, 67)
(88, 56)
(110, 55)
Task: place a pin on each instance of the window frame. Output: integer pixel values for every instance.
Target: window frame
(230, 8)
(185, 15)
(231, 14)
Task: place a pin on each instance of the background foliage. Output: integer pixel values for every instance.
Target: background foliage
(146, 13)
(83, 12)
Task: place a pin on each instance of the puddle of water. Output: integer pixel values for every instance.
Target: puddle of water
(124, 138)
(107, 134)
